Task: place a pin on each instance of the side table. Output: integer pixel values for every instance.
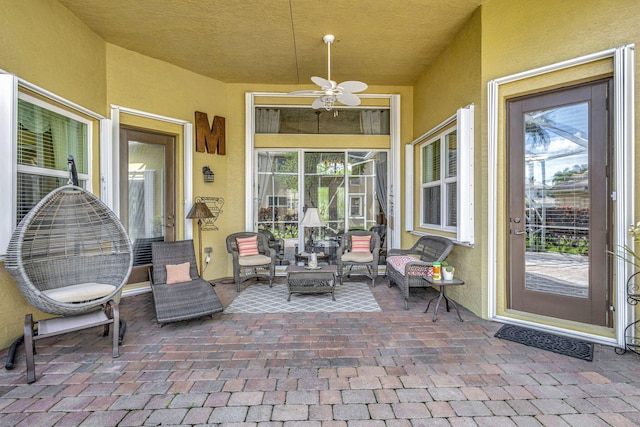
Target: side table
(443, 286)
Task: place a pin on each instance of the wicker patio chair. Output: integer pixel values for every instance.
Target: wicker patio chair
(381, 230)
(407, 267)
(276, 244)
(259, 262)
(182, 298)
(69, 256)
(362, 259)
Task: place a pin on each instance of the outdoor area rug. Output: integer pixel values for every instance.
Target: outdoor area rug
(351, 297)
(546, 341)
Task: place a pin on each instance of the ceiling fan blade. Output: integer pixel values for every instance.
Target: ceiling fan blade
(317, 103)
(353, 86)
(324, 83)
(348, 98)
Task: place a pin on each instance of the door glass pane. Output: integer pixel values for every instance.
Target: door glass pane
(277, 204)
(557, 199)
(366, 188)
(324, 175)
(324, 188)
(146, 198)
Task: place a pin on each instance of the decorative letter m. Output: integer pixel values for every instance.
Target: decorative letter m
(212, 139)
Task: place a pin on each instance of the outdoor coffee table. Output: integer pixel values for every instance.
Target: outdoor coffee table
(303, 280)
(443, 286)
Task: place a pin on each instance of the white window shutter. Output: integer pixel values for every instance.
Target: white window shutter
(408, 167)
(465, 124)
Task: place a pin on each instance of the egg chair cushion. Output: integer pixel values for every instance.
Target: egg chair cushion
(81, 292)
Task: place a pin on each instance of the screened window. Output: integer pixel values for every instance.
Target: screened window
(439, 180)
(46, 136)
(308, 121)
(439, 177)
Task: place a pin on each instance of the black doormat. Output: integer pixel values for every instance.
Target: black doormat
(546, 341)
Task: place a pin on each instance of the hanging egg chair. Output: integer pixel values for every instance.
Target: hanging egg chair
(70, 253)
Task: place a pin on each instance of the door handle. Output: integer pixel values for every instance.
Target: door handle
(519, 232)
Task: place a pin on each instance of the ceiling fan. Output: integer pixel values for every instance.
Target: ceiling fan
(330, 92)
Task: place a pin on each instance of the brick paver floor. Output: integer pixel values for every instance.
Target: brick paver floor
(393, 368)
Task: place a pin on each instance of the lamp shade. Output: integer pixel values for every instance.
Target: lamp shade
(199, 210)
(312, 218)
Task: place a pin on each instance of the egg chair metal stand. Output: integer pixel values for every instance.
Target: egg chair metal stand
(70, 256)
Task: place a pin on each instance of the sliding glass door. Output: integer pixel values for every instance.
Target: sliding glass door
(349, 189)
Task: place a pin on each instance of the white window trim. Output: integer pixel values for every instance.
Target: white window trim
(393, 238)
(624, 140)
(9, 93)
(110, 161)
(464, 233)
(359, 197)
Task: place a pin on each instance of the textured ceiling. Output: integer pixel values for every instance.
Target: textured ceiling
(380, 42)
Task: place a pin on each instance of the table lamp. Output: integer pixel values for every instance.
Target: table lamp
(200, 211)
(312, 219)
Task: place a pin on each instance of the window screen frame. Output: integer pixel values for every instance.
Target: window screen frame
(463, 233)
(442, 181)
(84, 176)
(12, 88)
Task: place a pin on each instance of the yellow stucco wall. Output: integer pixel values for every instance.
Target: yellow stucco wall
(46, 45)
(505, 37)
(142, 83)
(517, 37)
(451, 82)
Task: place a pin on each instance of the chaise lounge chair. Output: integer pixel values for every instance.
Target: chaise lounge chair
(179, 293)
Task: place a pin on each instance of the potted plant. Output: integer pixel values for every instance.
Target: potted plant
(447, 271)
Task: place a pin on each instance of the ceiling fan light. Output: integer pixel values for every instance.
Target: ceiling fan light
(327, 102)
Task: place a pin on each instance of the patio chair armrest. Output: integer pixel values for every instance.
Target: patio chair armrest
(270, 252)
(395, 252)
